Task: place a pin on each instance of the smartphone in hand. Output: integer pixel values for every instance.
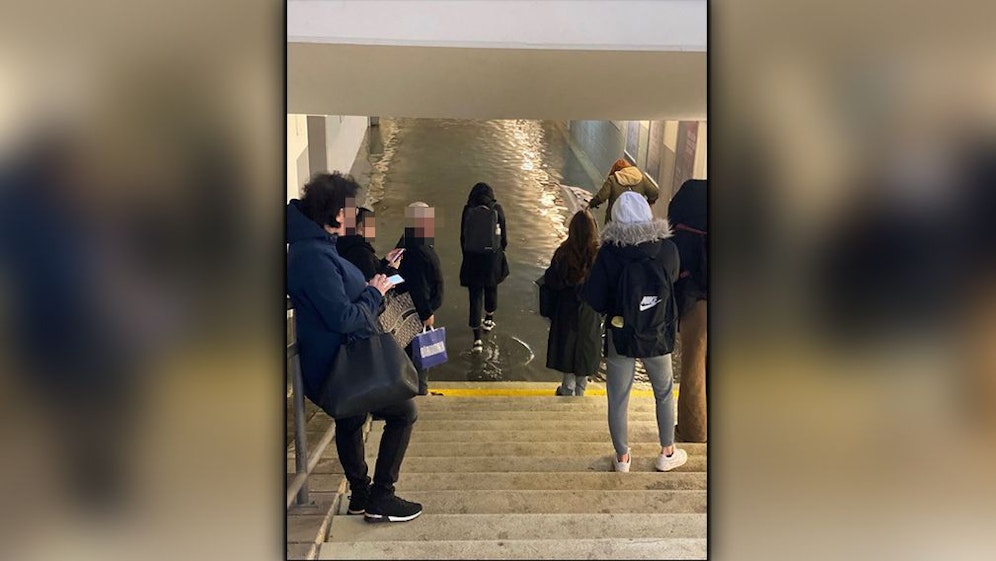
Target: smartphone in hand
(395, 279)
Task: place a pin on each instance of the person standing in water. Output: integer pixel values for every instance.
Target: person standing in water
(483, 239)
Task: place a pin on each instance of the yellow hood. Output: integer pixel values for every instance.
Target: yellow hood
(629, 176)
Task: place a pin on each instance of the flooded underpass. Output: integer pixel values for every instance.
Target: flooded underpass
(438, 161)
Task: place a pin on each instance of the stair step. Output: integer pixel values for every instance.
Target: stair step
(593, 403)
(592, 548)
(489, 423)
(520, 415)
(450, 464)
(563, 481)
(420, 449)
(445, 527)
(642, 434)
(559, 502)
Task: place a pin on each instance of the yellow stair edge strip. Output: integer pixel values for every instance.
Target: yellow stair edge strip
(523, 392)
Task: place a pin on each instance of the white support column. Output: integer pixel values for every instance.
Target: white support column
(701, 168)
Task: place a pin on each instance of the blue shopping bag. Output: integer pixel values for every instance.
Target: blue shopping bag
(429, 348)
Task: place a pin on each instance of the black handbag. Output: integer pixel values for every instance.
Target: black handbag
(368, 374)
(547, 298)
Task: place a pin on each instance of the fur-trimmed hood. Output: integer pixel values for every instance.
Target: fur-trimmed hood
(618, 233)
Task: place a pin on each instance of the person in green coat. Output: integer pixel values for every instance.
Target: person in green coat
(623, 177)
(574, 346)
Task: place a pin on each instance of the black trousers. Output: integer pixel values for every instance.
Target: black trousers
(486, 296)
(400, 418)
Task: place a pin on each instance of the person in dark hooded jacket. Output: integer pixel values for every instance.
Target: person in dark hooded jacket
(688, 214)
(332, 301)
(422, 272)
(635, 235)
(481, 273)
(356, 247)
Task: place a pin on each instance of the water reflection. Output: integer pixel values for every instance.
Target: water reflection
(438, 161)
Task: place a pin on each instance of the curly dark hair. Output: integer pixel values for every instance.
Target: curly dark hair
(325, 195)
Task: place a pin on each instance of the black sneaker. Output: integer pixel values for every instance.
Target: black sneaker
(358, 502)
(391, 509)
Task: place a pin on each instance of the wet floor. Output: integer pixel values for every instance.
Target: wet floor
(438, 161)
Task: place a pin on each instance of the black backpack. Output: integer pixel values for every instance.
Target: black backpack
(645, 300)
(481, 233)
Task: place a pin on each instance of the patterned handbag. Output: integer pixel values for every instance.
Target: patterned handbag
(400, 318)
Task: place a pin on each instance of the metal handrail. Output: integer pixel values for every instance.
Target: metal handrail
(297, 490)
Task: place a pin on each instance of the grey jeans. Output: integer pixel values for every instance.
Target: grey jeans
(619, 383)
(573, 385)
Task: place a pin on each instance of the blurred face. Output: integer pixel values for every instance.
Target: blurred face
(348, 219)
(422, 221)
(368, 229)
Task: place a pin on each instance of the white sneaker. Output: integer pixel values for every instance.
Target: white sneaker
(478, 346)
(677, 459)
(487, 325)
(622, 467)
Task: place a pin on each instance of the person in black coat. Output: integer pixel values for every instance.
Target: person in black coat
(634, 235)
(574, 344)
(481, 273)
(356, 247)
(332, 301)
(421, 270)
(688, 214)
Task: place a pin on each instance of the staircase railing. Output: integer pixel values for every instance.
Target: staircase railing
(297, 489)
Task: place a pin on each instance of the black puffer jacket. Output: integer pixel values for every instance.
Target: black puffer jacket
(688, 215)
(423, 275)
(484, 269)
(358, 251)
(622, 243)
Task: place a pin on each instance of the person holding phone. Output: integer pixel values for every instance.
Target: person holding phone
(357, 247)
(420, 269)
(332, 301)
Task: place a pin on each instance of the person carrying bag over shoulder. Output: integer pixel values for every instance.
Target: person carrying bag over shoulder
(632, 282)
(342, 350)
(483, 240)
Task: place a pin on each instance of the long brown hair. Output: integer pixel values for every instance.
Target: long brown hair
(578, 251)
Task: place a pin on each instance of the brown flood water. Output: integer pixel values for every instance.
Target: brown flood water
(438, 161)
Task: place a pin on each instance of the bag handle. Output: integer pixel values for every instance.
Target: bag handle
(372, 323)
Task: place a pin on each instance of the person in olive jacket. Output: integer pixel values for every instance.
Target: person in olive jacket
(623, 177)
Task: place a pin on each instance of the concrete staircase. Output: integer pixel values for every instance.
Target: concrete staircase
(529, 478)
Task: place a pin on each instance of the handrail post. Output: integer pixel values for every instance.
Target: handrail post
(300, 423)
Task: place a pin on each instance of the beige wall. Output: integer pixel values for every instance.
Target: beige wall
(325, 79)
(342, 137)
(297, 151)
